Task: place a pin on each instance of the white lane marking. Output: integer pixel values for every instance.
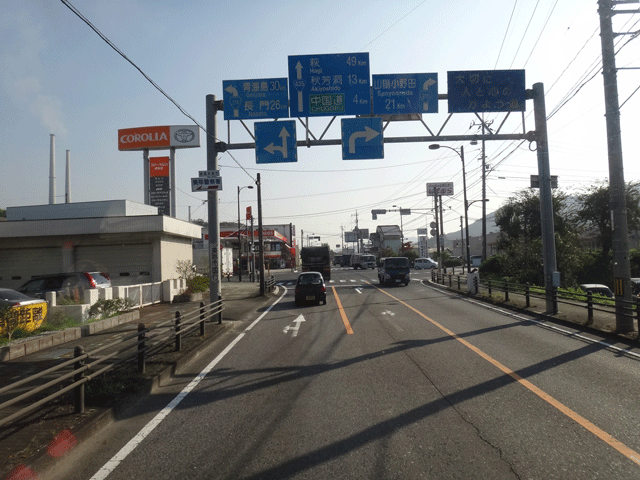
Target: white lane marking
(295, 326)
(342, 281)
(110, 466)
(388, 312)
(353, 281)
(359, 290)
(543, 324)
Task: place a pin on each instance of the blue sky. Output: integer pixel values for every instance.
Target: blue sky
(59, 77)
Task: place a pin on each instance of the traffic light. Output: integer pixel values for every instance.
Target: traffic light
(434, 232)
(378, 212)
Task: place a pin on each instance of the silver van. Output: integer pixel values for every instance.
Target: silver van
(424, 263)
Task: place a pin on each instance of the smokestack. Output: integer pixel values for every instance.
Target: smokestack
(67, 192)
(52, 171)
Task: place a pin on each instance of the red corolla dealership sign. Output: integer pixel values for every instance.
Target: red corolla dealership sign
(159, 138)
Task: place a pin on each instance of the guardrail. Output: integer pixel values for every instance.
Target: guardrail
(86, 366)
(591, 303)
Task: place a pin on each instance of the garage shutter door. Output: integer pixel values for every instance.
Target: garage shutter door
(19, 265)
(125, 264)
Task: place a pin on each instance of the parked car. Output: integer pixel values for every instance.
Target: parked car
(70, 285)
(394, 270)
(425, 263)
(310, 288)
(597, 288)
(32, 311)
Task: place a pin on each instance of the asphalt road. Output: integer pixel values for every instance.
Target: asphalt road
(383, 383)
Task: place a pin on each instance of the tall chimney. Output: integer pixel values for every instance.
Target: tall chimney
(67, 193)
(52, 171)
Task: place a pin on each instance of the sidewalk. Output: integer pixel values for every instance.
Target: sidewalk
(28, 440)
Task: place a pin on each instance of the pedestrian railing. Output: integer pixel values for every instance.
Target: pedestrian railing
(591, 303)
(75, 373)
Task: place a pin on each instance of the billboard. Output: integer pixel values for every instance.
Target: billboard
(159, 184)
(159, 138)
(443, 188)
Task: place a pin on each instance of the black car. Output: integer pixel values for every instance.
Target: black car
(394, 270)
(310, 288)
(71, 284)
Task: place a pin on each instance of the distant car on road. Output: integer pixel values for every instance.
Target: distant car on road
(310, 288)
(70, 285)
(424, 263)
(597, 288)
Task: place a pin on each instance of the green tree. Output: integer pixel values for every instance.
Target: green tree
(594, 212)
(520, 238)
(3, 213)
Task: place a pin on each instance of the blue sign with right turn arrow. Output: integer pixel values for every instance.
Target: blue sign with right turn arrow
(362, 138)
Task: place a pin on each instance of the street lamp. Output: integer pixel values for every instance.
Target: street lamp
(401, 230)
(435, 146)
(239, 236)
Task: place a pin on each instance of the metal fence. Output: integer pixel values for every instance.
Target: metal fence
(73, 374)
(589, 302)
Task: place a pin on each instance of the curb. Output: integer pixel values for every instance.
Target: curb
(50, 339)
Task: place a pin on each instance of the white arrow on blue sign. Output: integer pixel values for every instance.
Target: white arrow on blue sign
(276, 142)
(362, 138)
(397, 94)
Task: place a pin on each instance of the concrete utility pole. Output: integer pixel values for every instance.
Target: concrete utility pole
(212, 108)
(551, 277)
(620, 245)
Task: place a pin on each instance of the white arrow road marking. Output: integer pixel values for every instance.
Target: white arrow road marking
(368, 134)
(388, 312)
(359, 290)
(294, 327)
(283, 149)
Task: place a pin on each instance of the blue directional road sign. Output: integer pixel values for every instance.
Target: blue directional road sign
(405, 93)
(362, 138)
(328, 85)
(255, 99)
(486, 91)
(276, 142)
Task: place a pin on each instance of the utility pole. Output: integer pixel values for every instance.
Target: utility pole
(484, 197)
(212, 108)
(462, 242)
(435, 205)
(618, 205)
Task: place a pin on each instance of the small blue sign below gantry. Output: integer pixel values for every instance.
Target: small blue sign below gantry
(405, 93)
(276, 142)
(486, 91)
(329, 85)
(362, 138)
(255, 99)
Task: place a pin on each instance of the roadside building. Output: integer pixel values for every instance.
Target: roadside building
(125, 239)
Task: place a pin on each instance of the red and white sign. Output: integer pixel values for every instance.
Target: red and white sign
(158, 166)
(248, 213)
(158, 138)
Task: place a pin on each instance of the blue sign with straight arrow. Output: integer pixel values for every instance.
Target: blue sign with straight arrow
(276, 142)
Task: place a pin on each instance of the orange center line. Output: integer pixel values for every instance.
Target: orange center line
(345, 320)
(595, 430)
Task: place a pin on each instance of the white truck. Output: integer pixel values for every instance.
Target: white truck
(226, 262)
